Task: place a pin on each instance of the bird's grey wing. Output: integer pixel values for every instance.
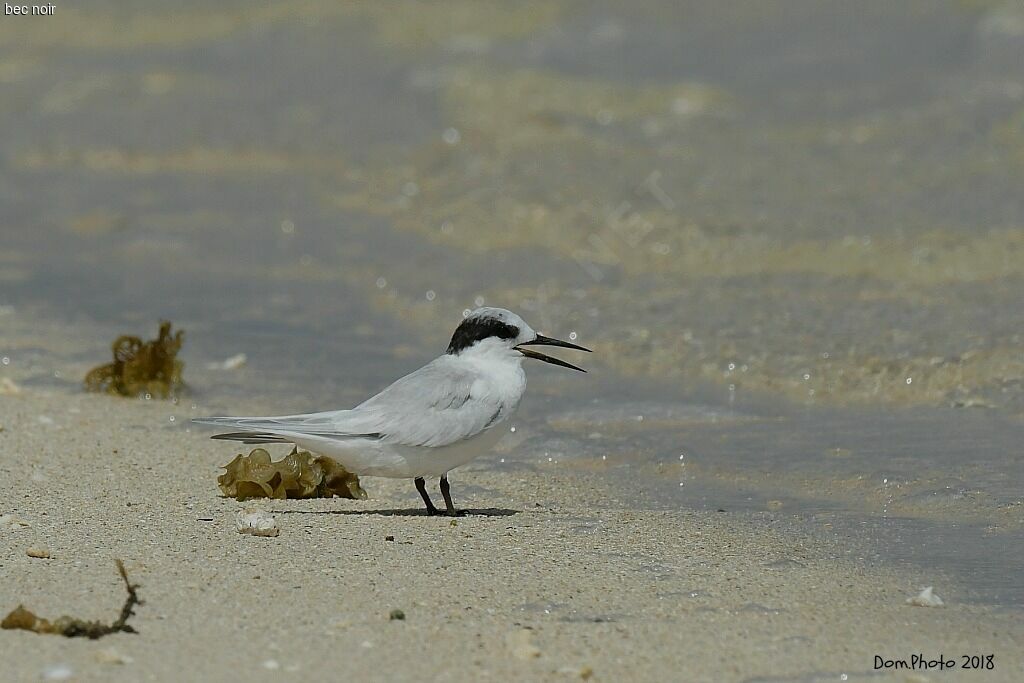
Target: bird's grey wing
(333, 423)
(438, 405)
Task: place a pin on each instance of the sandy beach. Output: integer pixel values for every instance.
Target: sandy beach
(554, 575)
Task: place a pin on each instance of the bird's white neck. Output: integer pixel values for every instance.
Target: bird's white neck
(498, 374)
(492, 353)
(499, 368)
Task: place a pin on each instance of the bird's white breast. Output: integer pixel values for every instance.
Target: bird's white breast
(498, 375)
(496, 385)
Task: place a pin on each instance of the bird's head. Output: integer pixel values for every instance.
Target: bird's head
(493, 329)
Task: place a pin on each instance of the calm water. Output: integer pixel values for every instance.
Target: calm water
(791, 230)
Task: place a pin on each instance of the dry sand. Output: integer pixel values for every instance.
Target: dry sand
(560, 578)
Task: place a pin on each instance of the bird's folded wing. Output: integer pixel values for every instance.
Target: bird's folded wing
(335, 423)
(433, 406)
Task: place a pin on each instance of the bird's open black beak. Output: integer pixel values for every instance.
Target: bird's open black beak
(541, 340)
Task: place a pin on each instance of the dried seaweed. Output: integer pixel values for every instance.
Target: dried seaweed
(297, 475)
(141, 368)
(71, 627)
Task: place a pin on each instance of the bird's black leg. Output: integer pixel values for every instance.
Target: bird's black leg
(421, 487)
(447, 493)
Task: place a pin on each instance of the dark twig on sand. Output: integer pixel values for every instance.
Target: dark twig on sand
(21, 618)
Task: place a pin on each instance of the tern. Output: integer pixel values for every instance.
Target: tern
(426, 423)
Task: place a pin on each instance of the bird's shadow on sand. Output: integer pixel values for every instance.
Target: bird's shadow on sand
(407, 512)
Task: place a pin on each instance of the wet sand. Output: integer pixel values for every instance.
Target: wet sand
(554, 575)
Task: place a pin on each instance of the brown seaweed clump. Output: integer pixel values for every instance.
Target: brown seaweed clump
(73, 627)
(141, 368)
(297, 475)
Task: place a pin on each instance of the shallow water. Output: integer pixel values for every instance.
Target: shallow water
(935, 490)
(792, 230)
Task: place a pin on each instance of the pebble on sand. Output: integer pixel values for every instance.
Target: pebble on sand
(8, 387)
(12, 523)
(111, 656)
(57, 672)
(520, 644)
(41, 553)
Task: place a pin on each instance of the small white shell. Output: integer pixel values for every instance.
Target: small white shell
(926, 598)
(256, 523)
